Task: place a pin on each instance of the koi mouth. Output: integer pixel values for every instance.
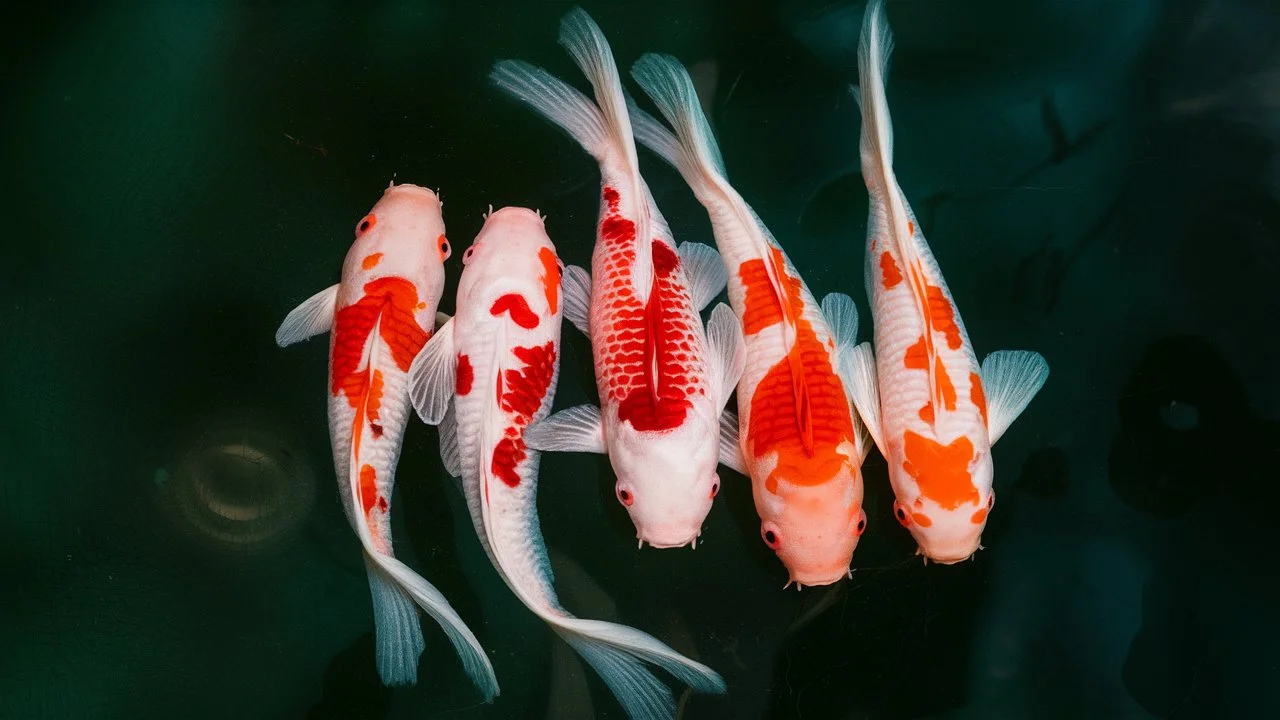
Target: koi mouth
(848, 573)
(691, 542)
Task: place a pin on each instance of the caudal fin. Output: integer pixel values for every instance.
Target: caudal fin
(692, 150)
(391, 580)
(618, 654)
(397, 631)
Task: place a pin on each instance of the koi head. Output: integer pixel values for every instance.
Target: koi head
(813, 528)
(944, 496)
(402, 236)
(512, 269)
(666, 483)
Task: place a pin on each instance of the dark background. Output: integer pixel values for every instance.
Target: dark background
(1097, 179)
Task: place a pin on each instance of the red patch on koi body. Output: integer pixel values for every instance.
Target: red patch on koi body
(945, 389)
(371, 261)
(979, 517)
(911, 228)
(926, 413)
(889, 269)
(388, 303)
(522, 395)
(464, 375)
(646, 350)
(977, 396)
(517, 307)
(550, 278)
(941, 471)
(368, 488)
(799, 411)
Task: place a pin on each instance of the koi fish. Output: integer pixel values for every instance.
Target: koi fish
(381, 314)
(486, 376)
(796, 436)
(663, 381)
(930, 408)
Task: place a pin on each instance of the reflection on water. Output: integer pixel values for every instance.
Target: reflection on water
(241, 487)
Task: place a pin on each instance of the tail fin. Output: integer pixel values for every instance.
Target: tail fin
(400, 639)
(693, 150)
(397, 631)
(874, 48)
(555, 100)
(617, 651)
(582, 38)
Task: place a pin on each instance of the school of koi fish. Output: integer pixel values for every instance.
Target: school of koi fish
(811, 400)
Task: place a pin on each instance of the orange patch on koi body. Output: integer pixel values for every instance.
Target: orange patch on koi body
(942, 316)
(917, 357)
(979, 517)
(926, 413)
(941, 471)
(370, 261)
(946, 390)
(799, 410)
(762, 307)
(977, 395)
(889, 269)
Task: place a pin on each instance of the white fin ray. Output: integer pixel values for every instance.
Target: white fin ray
(432, 376)
(1010, 379)
(858, 372)
(575, 287)
(397, 630)
(730, 447)
(556, 101)
(450, 453)
(842, 318)
(728, 352)
(311, 317)
(705, 272)
(576, 429)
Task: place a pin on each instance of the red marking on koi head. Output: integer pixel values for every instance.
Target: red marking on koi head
(941, 471)
(442, 247)
(371, 261)
(366, 224)
(517, 307)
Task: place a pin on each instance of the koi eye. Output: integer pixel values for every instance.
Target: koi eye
(715, 487)
(901, 514)
(442, 244)
(366, 224)
(991, 501)
(862, 524)
(466, 254)
(769, 532)
(625, 496)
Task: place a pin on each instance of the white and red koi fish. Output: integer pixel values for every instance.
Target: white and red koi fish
(487, 375)
(932, 411)
(797, 437)
(663, 380)
(381, 314)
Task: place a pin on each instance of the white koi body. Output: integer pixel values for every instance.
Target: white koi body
(487, 375)
(381, 314)
(663, 381)
(797, 435)
(931, 408)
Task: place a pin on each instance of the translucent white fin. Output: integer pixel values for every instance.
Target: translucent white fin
(584, 41)
(576, 288)
(705, 272)
(1010, 379)
(555, 100)
(858, 372)
(397, 631)
(450, 455)
(651, 133)
(586, 44)
(313, 317)
(432, 376)
(727, 349)
(842, 318)
(730, 449)
(577, 429)
(613, 650)
(474, 660)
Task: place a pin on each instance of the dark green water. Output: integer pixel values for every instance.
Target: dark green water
(1096, 179)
